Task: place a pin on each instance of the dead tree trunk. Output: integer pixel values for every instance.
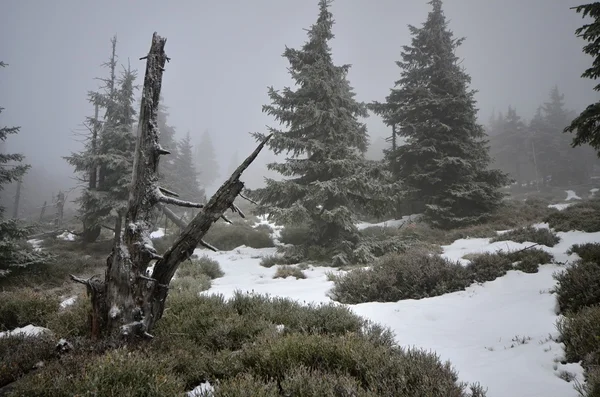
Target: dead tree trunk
(128, 303)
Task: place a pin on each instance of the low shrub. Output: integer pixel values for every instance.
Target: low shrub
(20, 354)
(583, 216)
(530, 234)
(73, 320)
(580, 334)
(589, 252)
(529, 260)
(273, 260)
(578, 286)
(285, 271)
(414, 274)
(488, 266)
(591, 387)
(26, 306)
(252, 345)
(226, 236)
(191, 284)
(264, 228)
(204, 265)
(121, 372)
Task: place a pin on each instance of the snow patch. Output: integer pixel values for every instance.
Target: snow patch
(500, 333)
(68, 302)
(391, 223)
(158, 233)
(67, 236)
(561, 206)
(202, 390)
(571, 195)
(36, 244)
(28, 330)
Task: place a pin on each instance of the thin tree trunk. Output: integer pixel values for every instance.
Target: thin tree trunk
(43, 211)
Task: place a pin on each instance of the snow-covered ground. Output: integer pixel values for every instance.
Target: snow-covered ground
(500, 333)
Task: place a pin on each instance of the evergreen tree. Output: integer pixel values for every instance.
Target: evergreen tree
(106, 162)
(206, 161)
(444, 163)
(186, 181)
(562, 165)
(167, 173)
(587, 125)
(14, 251)
(327, 176)
(510, 148)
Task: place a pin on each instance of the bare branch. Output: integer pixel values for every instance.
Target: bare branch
(168, 192)
(248, 199)
(237, 209)
(226, 219)
(161, 198)
(207, 245)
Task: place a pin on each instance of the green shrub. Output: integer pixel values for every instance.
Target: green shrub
(580, 334)
(19, 354)
(591, 387)
(26, 306)
(251, 345)
(272, 260)
(73, 320)
(578, 286)
(415, 274)
(529, 260)
(227, 237)
(195, 268)
(488, 266)
(356, 362)
(66, 257)
(589, 252)
(583, 216)
(285, 271)
(531, 234)
(127, 373)
(191, 284)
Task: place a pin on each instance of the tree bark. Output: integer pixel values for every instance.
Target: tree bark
(129, 303)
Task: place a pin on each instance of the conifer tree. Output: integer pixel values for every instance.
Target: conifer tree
(564, 166)
(14, 251)
(206, 161)
(327, 178)
(510, 146)
(444, 163)
(106, 162)
(168, 141)
(586, 126)
(186, 184)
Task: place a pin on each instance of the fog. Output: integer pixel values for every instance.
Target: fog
(224, 55)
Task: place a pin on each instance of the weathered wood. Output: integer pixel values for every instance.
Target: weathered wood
(128, 303)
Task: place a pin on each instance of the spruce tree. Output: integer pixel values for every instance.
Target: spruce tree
(166, 167)
(509, 146)
(186, 182)
(14, 251)
(586, 126)
(563, 165)
(444, 164)
(326, 176)
(206, 161)
(105, 164)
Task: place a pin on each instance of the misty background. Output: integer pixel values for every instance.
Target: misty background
(225, 54)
